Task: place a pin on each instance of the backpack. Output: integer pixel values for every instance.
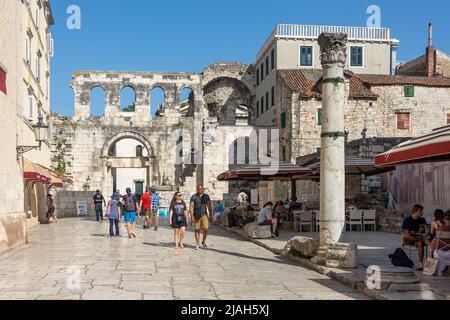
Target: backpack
(129, 204)
(400, 259)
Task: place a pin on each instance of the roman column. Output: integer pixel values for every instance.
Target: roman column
(332, 160)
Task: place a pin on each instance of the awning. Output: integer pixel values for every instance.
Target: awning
(428, 148)
(262, 172)
(353, 166)
(35, 172)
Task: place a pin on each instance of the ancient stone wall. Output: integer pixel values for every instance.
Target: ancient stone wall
(178, 156)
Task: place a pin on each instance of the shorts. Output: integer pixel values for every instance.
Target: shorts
(145, 212)
(201, 223)
(153, 213)
(267, 223)
(130, 216)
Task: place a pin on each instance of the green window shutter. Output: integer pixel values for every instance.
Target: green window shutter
(319, 116)
(283, 120)
(409, 91)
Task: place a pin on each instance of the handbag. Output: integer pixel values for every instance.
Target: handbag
(430, 267)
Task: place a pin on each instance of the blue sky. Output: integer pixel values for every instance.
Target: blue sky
(139, 35)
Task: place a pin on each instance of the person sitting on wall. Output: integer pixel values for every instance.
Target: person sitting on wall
(411, 225)
(265, 218)
(220, 209)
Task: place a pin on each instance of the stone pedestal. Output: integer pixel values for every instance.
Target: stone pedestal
(303, 246)
(342, 255)
(393, 279)
(254, 231)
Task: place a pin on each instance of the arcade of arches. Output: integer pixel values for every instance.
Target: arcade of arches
(141, 145)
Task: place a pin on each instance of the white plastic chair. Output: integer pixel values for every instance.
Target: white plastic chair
(317, 213)
(443, 256)
(369, 217)
(297, 215)
(306, 220)
(355, 219)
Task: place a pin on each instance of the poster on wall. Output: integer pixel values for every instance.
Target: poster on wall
(82, 208)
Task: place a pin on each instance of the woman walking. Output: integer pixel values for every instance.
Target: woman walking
(178, 219)
(51, 209)
(113, 213)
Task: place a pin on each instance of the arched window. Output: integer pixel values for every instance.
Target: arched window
(97, 101)
(186, 101)
(127, 99)
(158, 99)
(139, 150)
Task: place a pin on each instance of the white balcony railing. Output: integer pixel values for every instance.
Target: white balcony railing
(313, 31)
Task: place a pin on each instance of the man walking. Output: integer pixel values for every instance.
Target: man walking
(146, 207)
(200, 209)
(155, 202)
(99, 201)
(130, 207)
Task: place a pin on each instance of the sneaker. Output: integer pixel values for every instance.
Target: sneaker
(156, 228)
(129, 237)
(197, 248)
(204, 245)
(133, 234)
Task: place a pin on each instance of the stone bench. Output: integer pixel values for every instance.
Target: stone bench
(255, 231)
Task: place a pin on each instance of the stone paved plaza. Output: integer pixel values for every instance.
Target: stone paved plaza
(150, 268)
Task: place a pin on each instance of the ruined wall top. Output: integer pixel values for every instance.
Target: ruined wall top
(234, 70)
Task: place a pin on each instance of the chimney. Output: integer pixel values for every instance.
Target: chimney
(430, 54)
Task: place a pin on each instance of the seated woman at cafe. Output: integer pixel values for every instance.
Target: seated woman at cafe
(442, 249)
(265, 218)
(438, 222)
(412, 225)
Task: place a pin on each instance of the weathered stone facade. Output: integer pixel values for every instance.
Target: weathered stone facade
(184, 148)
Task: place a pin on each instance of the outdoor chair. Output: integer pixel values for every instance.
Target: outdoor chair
(317, 214)
(442, 252)
(369, 219)
(355, 220)
(306, 220)
(297, 215)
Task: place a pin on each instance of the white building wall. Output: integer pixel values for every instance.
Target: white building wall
(126, 177)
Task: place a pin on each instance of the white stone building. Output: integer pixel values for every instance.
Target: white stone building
(25, 51)
(370, 51)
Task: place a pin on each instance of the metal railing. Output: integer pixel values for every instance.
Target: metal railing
(313, 32)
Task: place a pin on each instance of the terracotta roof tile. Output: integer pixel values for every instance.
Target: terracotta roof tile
(380, 80)
(307, 82)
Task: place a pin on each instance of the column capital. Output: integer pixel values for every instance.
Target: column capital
(333, 48)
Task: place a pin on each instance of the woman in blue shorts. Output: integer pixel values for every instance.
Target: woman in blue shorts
(178, 219)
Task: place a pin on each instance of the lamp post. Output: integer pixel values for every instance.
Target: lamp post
(87, 185)
(40, 133)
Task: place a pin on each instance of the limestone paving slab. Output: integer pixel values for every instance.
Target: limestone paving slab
(150, 268)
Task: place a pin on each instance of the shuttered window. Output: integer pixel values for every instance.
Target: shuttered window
(319, 116)
(283, 120)
(409, 91)
(403, 121)
(3, 81)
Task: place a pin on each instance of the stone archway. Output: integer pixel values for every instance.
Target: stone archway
(115, 164)
(127, 135)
